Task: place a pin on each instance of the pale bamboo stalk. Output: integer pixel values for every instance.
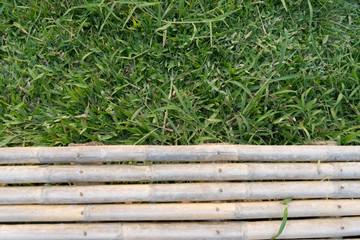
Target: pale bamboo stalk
(314, 228)
(178, 172)
(53, 172)
(178, 192)
(177, 211)
(178, 153)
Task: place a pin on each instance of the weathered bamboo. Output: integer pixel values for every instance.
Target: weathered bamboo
(316, 228)
(177, 211)
(178, 172)
(178, 153)
(178, 192)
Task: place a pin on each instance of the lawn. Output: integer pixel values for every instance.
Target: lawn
(179, 72)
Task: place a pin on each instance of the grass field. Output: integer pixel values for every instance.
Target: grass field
(179, 72)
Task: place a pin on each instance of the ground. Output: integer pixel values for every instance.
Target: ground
(179, 72)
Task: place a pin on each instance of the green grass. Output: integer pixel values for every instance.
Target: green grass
(179, 72)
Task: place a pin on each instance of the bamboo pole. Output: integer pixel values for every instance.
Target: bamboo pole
(177, 211)
(78, 183)
(178, 153)
(178, 192)
(178, 172)
(314, 228)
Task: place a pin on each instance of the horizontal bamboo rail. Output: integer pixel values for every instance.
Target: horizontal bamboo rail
(178, 172)
(178, 192)
(178, 153)
(161, 202)
(177, 211)
(316, 228)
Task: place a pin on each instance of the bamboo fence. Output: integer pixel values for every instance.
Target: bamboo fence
(329, 187)
(178, 172)
(177, 211)
(315, 228)
(201, 153)
(179, 192)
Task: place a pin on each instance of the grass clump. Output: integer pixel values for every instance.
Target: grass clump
(179, 72)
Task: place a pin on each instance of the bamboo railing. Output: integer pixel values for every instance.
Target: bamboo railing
(177, 211)
(171, 192)
(193, 231)
(202, 153)
(178, 192)
(179, 172)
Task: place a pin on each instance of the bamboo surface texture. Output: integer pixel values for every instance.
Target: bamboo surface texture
(179, 192)
(322, 181)
(177, 211)
(178, 153)
(178, 172)
(315, 228)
